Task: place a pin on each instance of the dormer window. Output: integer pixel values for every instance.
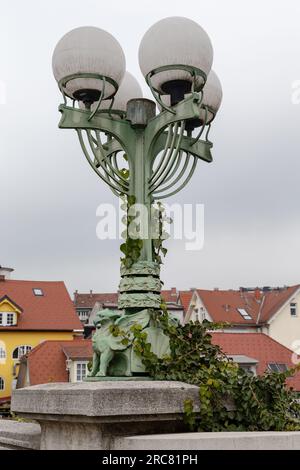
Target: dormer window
(9, 312)
(8, 319)
(38, 292)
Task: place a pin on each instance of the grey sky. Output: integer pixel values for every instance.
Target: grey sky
(251, 191)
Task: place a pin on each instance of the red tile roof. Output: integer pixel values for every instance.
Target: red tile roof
(111, 299)
(257, 346)
(47, 362)
(89, 300)
(222, 305)
(78, 350)
(170, 296)
(274, 300)
(52, 311)
(185, 299)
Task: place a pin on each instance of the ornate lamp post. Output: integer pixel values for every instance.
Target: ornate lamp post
(112, 121)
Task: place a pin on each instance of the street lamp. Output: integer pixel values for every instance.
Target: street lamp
(162, 150)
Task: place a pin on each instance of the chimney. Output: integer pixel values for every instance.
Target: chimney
(5, 273)
(257, 294)
(174, 292)
(91, 293)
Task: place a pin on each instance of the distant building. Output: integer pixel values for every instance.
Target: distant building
(87, 305)
(67, 361)
(273, 311)
(257, 353)
(30, 312)
(55, 361)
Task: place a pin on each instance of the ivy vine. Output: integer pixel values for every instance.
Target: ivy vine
(132, 247)
(231, 399)
(159, 234)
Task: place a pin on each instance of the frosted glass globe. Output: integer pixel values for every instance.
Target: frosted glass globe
(88, 50)
(212, 94)
(128, 90)
(175, 41)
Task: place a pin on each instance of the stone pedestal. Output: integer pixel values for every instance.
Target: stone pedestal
(95, 415)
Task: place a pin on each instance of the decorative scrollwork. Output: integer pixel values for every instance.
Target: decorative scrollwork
(101, 162)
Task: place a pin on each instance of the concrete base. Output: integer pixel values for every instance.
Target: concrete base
(18, 435)
(213, 441)
(94, 415)
(133, 378)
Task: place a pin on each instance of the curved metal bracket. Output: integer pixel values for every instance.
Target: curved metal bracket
(160, 193)
(120, 129)
(193, 71)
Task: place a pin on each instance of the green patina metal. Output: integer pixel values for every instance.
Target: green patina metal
(142, 268)
(139, 300)
(114, 354)
(161, 158)
(140, 283)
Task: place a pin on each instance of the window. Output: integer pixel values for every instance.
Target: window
(21, 351)
(2, 353)
(83, 314)
(80, 371)
(1, 383)
(247, 368)
(274, 367)
(293, 309)
(9, 319)
(244, 314)
(38, 292)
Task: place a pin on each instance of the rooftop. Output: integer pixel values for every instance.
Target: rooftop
(260, 347)
(245, 306)
(44, 305)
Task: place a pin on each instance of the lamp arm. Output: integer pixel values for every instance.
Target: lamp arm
(169, 164)
(186, 109)
(178, 177)
(165, 149)
(175, 167)
(118, 194)
(120, 129)
(123, 184)
(163, 196)
(200, 149)
(168, 151)
(116, 189)
(112, 146)
(106, 160)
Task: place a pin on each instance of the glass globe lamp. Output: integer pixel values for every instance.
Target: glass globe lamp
(175, 53)
(87, 63)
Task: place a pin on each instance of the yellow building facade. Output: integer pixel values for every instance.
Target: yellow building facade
(30, 315)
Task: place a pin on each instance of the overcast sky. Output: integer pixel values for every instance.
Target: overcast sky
(251, 191)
